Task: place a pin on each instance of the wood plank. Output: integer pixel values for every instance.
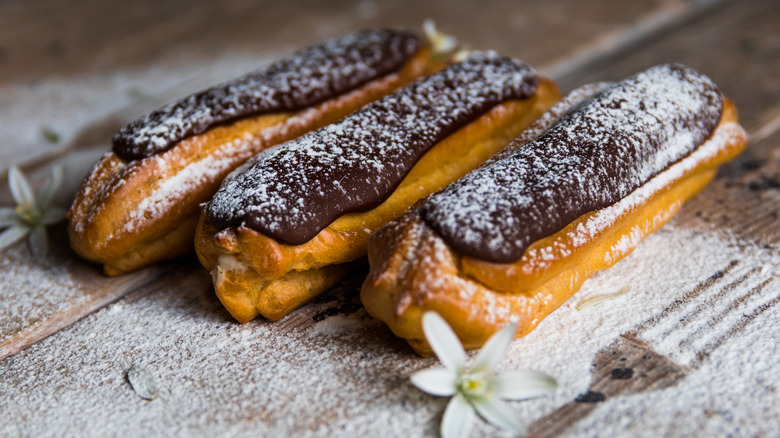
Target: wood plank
(672, 15)
(42, 299)
(741, 58)
(52, 39)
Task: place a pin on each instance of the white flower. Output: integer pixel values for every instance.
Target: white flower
(476, 388)
(30, 216)
(441, 44)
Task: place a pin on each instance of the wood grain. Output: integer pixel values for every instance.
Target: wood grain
(52, 38)
(627, 366)
(95, 291)
(89, 35)
(53, 41)
(734, 42)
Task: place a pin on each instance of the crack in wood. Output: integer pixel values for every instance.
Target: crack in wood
(717, 318)
(639, 369)
(690, 316)
(698, 289)
(630, 365)
(106, 291)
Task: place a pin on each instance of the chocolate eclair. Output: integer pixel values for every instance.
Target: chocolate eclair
(287, 227)
(514, 239)
(140, 203)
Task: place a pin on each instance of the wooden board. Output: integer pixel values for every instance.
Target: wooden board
(330, 369)
(51, 38)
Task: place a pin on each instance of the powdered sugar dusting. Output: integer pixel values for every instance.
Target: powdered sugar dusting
(306, 78)
(348, 375)
(293, 191)
(536, 259)
(598, 154)
(605, 217)
(551, 117)
(31, 292)
(173, 189)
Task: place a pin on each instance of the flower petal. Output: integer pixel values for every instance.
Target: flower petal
(8, 217)
(429, 28)
(20, 188)
(597, 300)
(458, 418)
(444, 342)
(52, 215)
(51, 186)
(436, 381)
(12, 235)
(499, 414)
(39, 243)
(495, 349)
(518, 385)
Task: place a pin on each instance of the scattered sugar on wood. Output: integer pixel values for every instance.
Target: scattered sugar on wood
(349, 375)
(30, 292)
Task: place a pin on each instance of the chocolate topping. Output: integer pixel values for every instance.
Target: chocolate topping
(308, 77)
(596, 155)
(293, 191)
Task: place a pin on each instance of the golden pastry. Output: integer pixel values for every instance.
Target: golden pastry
(287, 227)
(516, 238)
(140, 203)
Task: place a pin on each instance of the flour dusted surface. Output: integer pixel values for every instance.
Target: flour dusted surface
(595, 156)
(347, 375)
(293, 191)
(30, 292)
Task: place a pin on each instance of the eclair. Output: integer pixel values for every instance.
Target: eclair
(517, 237)
(140, 203)
(289, 225)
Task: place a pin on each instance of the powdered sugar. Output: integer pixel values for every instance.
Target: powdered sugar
(348, 375)
(192, 176)
(31, 292)
(306, 78)
(293, 191)
(596, 155)
(599, 222)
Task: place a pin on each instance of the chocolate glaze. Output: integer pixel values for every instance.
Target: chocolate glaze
(308, 77)
(293, 191)
(594, 156)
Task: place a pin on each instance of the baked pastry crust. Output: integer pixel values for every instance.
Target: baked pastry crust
(413, 270)
(137, 208)
(255, 274)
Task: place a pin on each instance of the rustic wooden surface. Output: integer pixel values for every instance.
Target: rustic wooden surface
(48, 44)
(596, 31)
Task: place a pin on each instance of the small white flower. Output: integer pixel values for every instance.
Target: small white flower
(30, 216)
(476, 388)
(441, 44)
